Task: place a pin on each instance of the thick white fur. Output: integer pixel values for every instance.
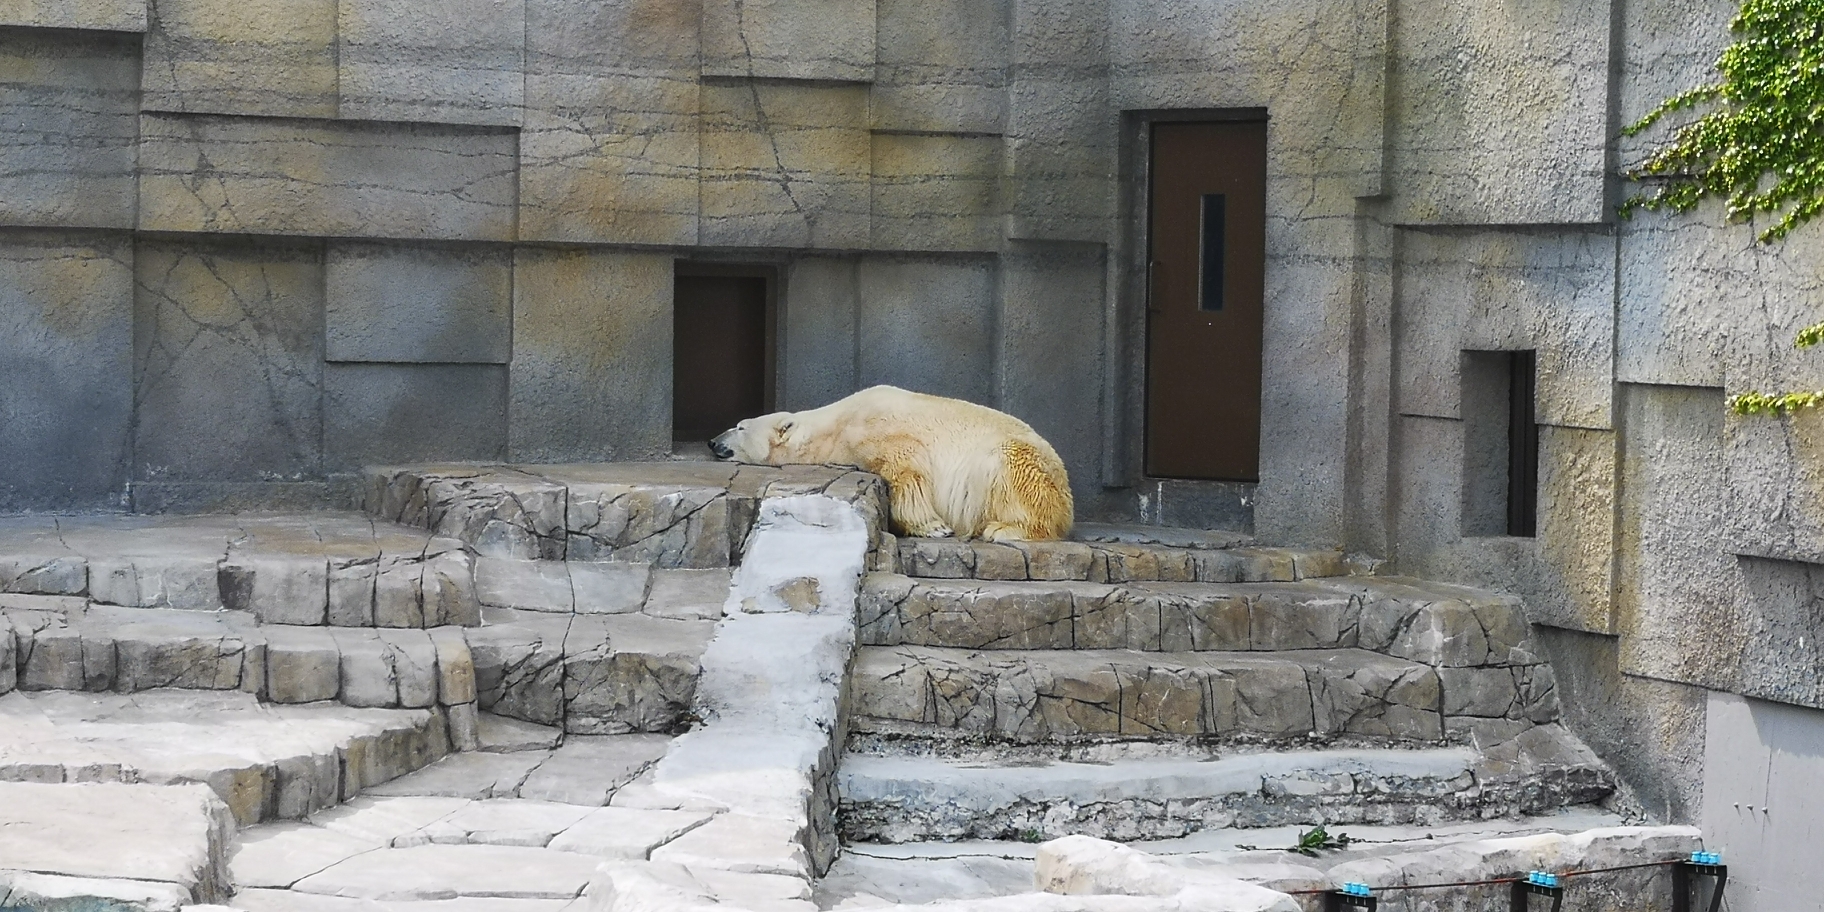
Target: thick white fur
(953, 467)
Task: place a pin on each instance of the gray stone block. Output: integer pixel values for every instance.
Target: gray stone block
(347, 179)
(785, 165)
(1050, 367)
(936, 192)
(455, 667)
(818, 325)
(368, 674)
(66, 375)
(519, 672)
(782, 39)
(941, 66)
(452, 62)
(1508, 133)
(610, 147)
(90, 15)
(1061, 158)
(630, 673)
(274, 58)
(303, 664)
(415, 665)
(67, 158)
(392, 413)
(590, 378)
(926, 325)
(395, 303)
(228, 345)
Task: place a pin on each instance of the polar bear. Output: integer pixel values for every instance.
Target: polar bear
(952, 467)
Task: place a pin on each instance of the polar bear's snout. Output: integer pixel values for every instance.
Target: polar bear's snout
(719, 445)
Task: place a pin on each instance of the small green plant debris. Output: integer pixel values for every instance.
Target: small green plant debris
(1760, 147)
(1774, 405)
(1031, 836)
(1311, 842)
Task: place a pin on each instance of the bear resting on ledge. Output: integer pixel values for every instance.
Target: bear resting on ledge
(952, 467)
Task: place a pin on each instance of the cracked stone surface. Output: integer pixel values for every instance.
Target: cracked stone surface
(1107, 557)
(176, 835)
(668, 514)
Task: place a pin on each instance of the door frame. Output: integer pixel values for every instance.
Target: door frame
(767, 272)
(1124, 430)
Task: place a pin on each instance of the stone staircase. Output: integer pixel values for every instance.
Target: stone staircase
(677, 685)
(1147, 684)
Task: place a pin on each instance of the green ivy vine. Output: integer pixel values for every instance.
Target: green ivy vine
(1760, 147)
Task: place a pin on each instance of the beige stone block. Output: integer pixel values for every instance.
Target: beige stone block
(101, 15)
(785, 165)
(268, 57)
(340, 179)
(941, 65)
(454, 61)
(936, 192)
(69, 104)
(610, 159)
(789, 39)
(1577, 477)
(591, 372)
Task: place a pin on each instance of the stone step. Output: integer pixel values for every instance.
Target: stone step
(1114, 562)
(112, 845)
(592, 674)
(900, 798)
(1431, 623)
(343, 569)
(669, 514)
(1035, 696)
(265, 762)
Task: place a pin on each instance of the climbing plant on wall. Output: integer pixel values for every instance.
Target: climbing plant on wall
(1759, 147)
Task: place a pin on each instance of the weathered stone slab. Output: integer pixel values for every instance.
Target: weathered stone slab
(397, 303)
(69, 151)
(502, 822)
(610, 146)
(631, 833)
(212, 322)
(935, 192)
(519, 671)
(458, 62)
(587, 770)
(740, 843)
(784, 165)
(941, 67)
(346, 179)
(281, 854)
(66, 338)
(661, 524)
(274, 58)
(688, 594)
(178, 835)
(784, 40)
(583, 365)
(447, 871)
(468, 776)
(90, 15)
(630, 673)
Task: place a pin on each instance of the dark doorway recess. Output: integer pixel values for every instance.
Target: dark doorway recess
(722, 348)
(1206, 286)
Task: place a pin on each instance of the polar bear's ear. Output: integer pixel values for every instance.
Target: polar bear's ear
(783, 428)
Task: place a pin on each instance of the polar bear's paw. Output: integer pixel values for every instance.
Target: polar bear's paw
(936, 530)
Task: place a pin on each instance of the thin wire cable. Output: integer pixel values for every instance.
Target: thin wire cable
(1498, 880)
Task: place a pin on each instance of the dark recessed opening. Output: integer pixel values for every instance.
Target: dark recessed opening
(1500, 444)
(722, 368)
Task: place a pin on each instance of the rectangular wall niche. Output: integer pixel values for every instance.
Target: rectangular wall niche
(1500, 444)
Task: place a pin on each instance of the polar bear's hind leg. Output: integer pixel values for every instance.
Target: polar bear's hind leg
(914, 511)
(1033, 501)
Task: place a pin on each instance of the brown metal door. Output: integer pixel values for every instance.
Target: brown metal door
(1207, 263)
(720, 365)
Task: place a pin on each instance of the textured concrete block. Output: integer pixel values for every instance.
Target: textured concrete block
(269, 57)
(458, 61)
(941, 66)
(67, 156)
(785, 165)
(66, 370)
(1507, 133)
(340, 179)
(1061, 159)
(394, 413)
(1774, 468)
(228, 350)
(789, 39)
(1506, 291)
(591, 378)
(936, 192)
(1050, 367)
(609, 151)
(817, 322)
(394, 303)
(90, 15)
(927, 325)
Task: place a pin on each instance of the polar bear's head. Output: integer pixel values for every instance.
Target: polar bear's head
(759, 440)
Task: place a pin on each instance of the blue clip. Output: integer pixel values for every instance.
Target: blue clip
(1541, 879)
(1707, 858)
(1357, 889)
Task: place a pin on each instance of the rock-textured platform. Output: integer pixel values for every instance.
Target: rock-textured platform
(1116, 561)
(263, 761)
(668, 514)
(899, 798)
(141, 846)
